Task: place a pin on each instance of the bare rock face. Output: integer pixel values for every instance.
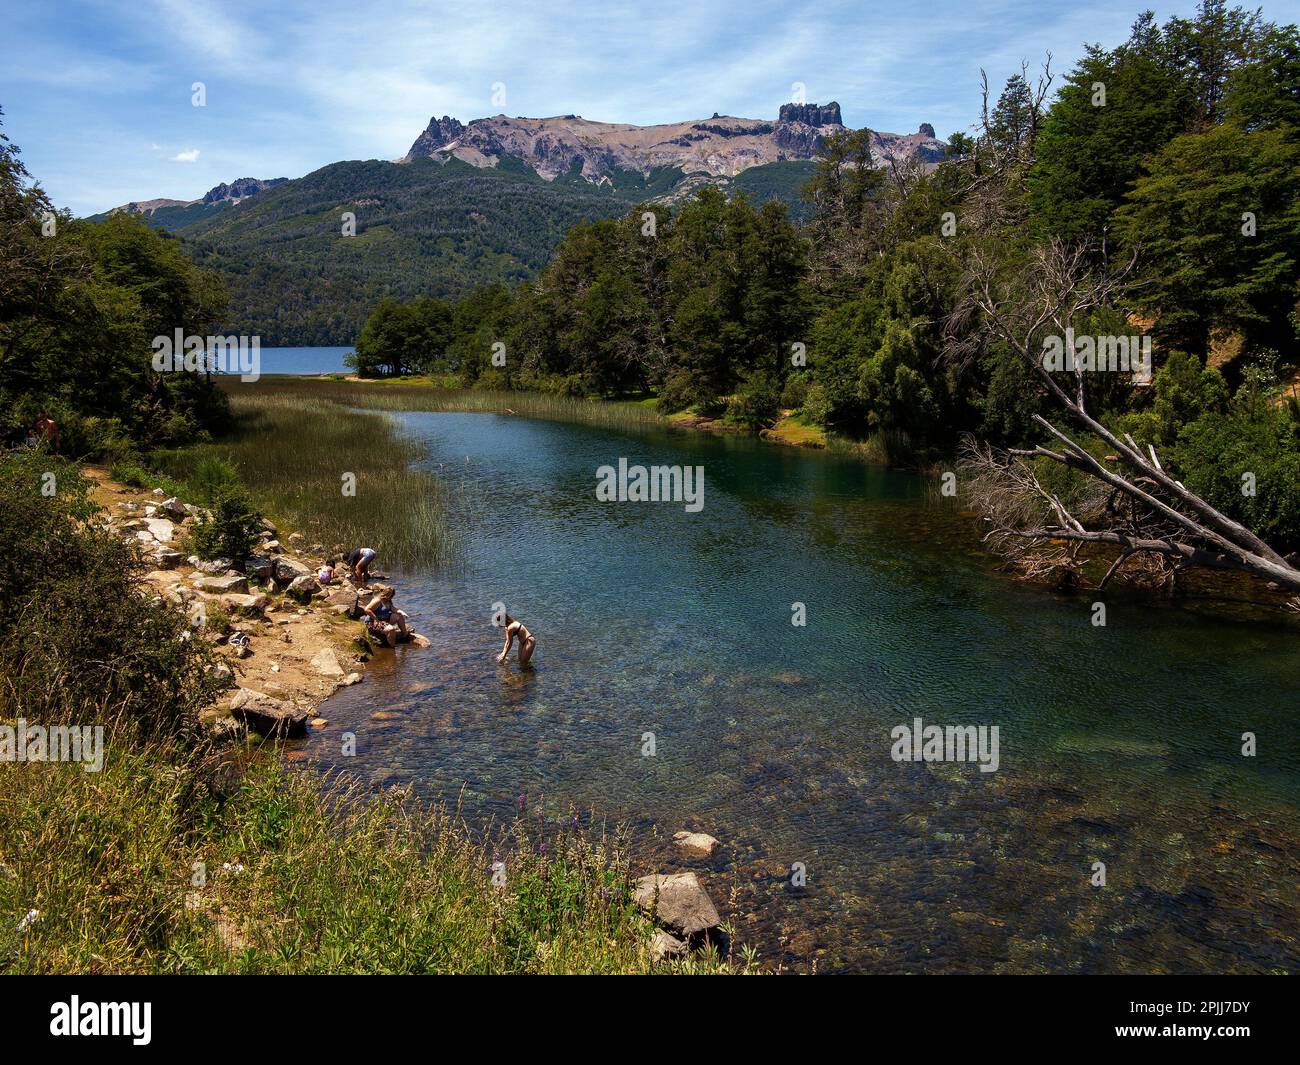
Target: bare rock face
(716, 148)
(678, 903)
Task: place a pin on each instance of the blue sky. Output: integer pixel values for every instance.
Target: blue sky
(98, 95)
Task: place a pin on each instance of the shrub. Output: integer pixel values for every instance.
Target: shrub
(231, 527)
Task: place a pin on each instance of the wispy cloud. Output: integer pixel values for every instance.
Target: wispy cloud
(293, 86)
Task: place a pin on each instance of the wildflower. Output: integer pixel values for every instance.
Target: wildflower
(234, 868)
(29, 919)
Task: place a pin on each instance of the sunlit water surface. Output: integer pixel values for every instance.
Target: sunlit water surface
(1119, 744)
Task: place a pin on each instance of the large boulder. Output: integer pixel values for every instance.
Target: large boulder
(678, 903)
(260, 567)
(163, 530)
(268, 716)
(215, 567)
(249, 606)
(288, 570)
(166, 558)
(223, 585)
(173, 508)
(303, 588)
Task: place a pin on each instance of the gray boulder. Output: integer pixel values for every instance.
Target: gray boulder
(173, 508)
(259, 566)
(267, 716)
(223, 585)
(288, 570)
(678, 903)
(303, 588)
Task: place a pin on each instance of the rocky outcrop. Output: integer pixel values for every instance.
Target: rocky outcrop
(811, 114)
(239, 188)
(719, 147)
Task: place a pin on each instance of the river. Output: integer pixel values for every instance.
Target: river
(1118, 744)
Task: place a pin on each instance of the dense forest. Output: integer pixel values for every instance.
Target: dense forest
(1152, 193)
(80, 304)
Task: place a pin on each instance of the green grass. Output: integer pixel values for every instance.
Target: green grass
(147, 868)
(292, 447)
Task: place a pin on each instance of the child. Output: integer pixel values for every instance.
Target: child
(326, 574)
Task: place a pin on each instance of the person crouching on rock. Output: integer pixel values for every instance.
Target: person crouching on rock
(384, 622)
(527, 641)
(359, 562)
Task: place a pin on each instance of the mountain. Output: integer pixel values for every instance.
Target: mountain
(174, 214)
(474, 204)
(603, 153)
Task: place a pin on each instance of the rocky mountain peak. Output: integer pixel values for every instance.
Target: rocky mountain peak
(926, 130)
(239, 188)
(811, 114)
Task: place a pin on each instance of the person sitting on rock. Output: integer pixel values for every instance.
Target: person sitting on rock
(527, 642)
(359, 561)
(383, 621)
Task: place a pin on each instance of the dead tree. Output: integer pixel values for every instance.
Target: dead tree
(1129, 502)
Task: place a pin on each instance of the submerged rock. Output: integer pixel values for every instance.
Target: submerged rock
(696, 844)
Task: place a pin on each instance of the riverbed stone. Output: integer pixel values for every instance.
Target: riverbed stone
(696, 844)
(678, 902)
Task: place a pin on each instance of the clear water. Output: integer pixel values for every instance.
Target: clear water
(1119, 744)
(301, 362)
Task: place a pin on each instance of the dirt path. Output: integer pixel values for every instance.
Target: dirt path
(297, 653)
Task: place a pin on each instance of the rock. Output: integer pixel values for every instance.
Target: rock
(166, 558)
(249, 606)
(319, 722)
(273, 546)
(145, 537)
(696, 844)
(224, 674)
(416, 640)
(225, 730)
(223, 585)
(678, 903)
(296, 538)
(352, 678)
(260, 567)
(267, 716)
(159, 492)
(302, 588)
(268, 527)
(215, 566)
(173, 508)
(326, 662)
(287, 570)
(926, 130)
(162, 529)
(664, 947)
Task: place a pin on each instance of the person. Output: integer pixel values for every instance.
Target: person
(45, 430)
(326, 573)
(384, 622)
(527, 641)
(359, 562)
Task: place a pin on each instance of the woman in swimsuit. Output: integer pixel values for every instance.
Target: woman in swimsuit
(527, 641)
(386, 624)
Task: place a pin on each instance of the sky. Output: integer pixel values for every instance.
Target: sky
(99, 96)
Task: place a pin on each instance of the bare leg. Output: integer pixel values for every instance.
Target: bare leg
(526, 650)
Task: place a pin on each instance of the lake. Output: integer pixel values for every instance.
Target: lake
(1119, 744)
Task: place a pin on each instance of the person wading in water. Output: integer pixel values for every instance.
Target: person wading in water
(527, 641)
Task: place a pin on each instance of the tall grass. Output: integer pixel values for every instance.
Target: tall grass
(295, 449)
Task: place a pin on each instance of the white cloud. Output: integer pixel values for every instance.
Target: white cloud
(190, 155)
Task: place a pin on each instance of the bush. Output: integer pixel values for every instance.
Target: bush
(77, 637)
(231, 527)
(758, 403)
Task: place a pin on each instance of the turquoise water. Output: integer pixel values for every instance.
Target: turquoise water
(1118, 744)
